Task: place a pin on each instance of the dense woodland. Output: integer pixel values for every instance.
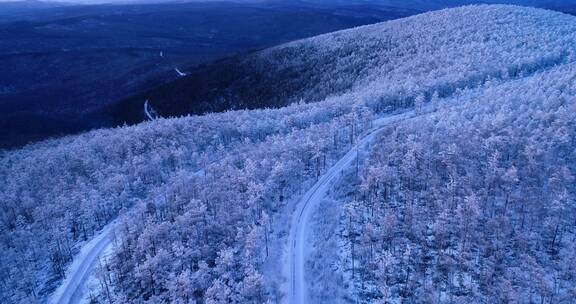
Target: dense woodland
(435, 51)
(472, 203)
(472, 197)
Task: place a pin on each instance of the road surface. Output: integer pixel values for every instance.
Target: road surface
(300, 228)
(180, 73)
(71, 289)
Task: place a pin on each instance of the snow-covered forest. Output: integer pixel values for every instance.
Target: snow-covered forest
(468, 198)
(473, 202)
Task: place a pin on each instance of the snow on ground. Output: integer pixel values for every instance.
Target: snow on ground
(92, 287)
(298, 241)
(150, 113)
(72, 288)
(330, 284)
(329, 263)
(280, 229)
(81, 280)
(180, 73)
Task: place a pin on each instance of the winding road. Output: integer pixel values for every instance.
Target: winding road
(72, 288)
(300, 227)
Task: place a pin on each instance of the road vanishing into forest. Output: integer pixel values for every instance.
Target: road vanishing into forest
(300, 226)
(72, 288)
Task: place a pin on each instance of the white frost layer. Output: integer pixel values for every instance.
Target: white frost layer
(300, 227)
(71, 289)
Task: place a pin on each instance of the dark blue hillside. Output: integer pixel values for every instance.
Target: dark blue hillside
(61, 66)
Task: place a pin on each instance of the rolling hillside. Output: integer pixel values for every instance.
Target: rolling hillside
(391, 58)
(63, 65)
(432, 156)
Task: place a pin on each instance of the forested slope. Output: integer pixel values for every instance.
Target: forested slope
(473, 202)
(441, 51)
(206, 190)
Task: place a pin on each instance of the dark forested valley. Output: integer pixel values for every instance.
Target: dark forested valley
(65, 68)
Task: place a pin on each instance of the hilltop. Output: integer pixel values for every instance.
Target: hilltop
(436, 50)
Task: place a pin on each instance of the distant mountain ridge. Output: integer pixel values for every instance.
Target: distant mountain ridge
(60, 58)
(22, 6)
(64, 64)
(343, 62)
